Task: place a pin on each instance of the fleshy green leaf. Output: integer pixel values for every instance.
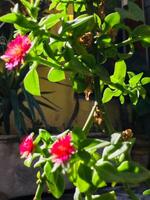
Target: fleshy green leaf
(146, 192)
(55, 181)
(135, 79)
(142, 33)
(111, 20)
(122, 99)
(97, 181)
(56, 75)
(108, 172)
(51, 20)
(31, 82)
(15, 18)
(119, 151)
(145, 80)
(115, 138)
(134, 12)
(107, 95)
(28, 161)
(132, 172)
(84, 178)
(119, 72)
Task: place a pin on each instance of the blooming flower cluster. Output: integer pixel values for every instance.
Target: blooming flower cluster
(60, 151)
(16, 51)
(27, 146)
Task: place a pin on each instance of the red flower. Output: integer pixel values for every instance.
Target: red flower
(62, 149)
(26, 147)
(16, 51)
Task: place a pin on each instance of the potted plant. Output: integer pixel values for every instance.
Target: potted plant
(83, 48)
(20, 113)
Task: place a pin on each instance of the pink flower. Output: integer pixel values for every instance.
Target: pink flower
(26, 147)
(62, 149)
(16, 51)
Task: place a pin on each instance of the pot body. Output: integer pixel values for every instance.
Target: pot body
(15, 178)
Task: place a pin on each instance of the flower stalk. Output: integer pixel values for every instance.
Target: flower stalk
(39, 191)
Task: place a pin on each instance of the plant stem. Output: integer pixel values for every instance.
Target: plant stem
(89, 120)
(130, 192)
(98, 97)
(38, 192)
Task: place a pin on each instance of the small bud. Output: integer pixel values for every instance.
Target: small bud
(88, 91)
(86, 39)
(98, 118)
(127, 134)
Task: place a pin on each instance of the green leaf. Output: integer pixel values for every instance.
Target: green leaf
(92, 144)
(142, 33)
(97, 181)
(119, 150)
(115, 138)
(26, 4)
(84, 178)
(28, 161)
(106, 196)
(51, 20)
(107, 172)
(130, 74)
(107, 95)
(78, 135)
(68, 53)
(110, 21)
(84, 156)
(80, 25)
(134, 12)
(119, 72)
(9, 18)
(133, 173)
(122, 99)
(40, 162)
(80, 21)
(134, 96)
(76, 65)
(135, 79)
(89, 59)
(145, 80)
(43, 135)
(31, 82)
(55, 181)
(98, 20)
(15, 18)
(146, 192)
(56, 75)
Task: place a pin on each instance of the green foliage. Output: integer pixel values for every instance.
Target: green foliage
(31, 82)
(110, 21)
(84, 48)
(56, 75)
(133, 12)
(146, 192)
